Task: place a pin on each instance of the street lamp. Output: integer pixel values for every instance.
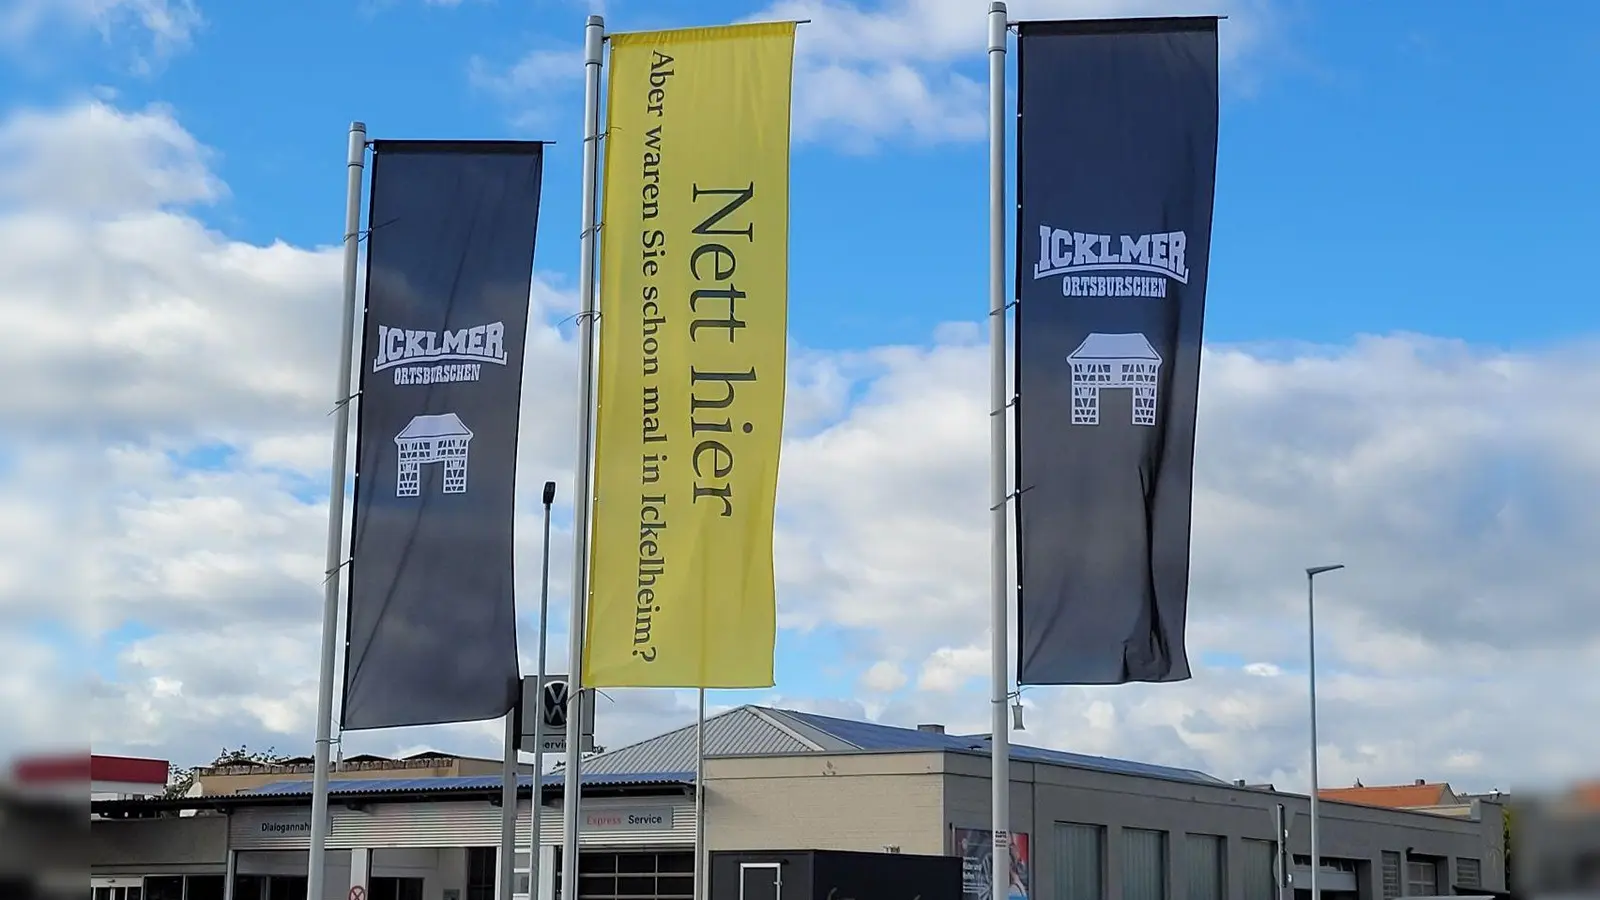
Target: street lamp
(1311, 632)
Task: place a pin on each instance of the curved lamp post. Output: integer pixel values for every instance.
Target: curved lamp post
(1311, 632)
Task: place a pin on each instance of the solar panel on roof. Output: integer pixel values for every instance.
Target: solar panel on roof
(873, 736)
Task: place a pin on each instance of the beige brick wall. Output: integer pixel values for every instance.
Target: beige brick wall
(826, 802)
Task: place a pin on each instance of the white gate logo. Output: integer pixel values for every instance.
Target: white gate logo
(1105, 361)
(439, 439)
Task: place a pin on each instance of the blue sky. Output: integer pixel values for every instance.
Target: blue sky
(1419, 166)
(1422, 167)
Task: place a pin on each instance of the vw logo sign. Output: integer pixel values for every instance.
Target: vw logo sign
(554, 704)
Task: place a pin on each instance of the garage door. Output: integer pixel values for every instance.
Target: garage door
(643, 875)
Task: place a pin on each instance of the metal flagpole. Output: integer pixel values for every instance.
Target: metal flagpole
(508, 805)
(535, 843)
(999, 736)
(334, 560)
(593, 47)
(700, 891)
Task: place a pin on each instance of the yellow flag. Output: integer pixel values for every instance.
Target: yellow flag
(694, 257)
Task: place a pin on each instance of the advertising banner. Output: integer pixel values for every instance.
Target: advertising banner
(1116, 168)
(975, 846)
(694, 316)
(432, 624)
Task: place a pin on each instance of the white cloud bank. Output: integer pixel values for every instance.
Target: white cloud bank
(150, 31)
(1457, 482)
(910, 71)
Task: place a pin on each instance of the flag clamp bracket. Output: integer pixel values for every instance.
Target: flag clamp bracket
(343, 564)
(343, 402)
(1010, 497)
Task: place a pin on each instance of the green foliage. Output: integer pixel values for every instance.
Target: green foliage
(1507, 818)
(180, 781)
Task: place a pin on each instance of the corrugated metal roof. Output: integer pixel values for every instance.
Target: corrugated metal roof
(753, 731)
(743, 731)
(470, 783)
(872, 736)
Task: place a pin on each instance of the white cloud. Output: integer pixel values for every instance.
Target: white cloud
(914, 69)
(883, 677)
(162, 27)
(1452, 480)
(949, 669)
(539, 70)
(538, 87)
(56, 163)
(896, 70)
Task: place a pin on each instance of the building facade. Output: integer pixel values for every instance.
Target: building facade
(247, 775)
(1087, 828)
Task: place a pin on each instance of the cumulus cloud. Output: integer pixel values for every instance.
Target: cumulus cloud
(539, 87)
(178, 514)
(151, 30)
(914, 70)
(898, 70)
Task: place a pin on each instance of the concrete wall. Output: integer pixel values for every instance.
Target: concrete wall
(1044, 795)
(826, 802)
(171, 846)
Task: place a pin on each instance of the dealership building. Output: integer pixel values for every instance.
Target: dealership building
(1085, 828)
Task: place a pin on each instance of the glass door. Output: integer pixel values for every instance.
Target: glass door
(117, 888)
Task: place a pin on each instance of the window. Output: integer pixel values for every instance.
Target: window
(163, 887)
(522, 873)
(636, 876)
(1469, 872)
(250, 887)
(203, 887)
(1144, 864)
(522, 883)
(1391, 875)
(286, 887)
(269, 887)
(1080, 858)
(395, 888)
(1206, 867)
(1260, 869)
(1422, 878)
(481, 872)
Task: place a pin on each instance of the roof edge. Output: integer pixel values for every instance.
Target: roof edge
(766, 714)
(670, 782)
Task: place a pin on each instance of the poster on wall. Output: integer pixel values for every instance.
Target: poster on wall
(975, 846)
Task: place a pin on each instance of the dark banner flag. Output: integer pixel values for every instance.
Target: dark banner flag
(1117, 148)
(432, 621)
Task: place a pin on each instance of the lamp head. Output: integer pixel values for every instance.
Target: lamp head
(549, 492)
(1318, 570)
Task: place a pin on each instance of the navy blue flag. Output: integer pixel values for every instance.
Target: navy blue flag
(432, 633)
(1117, 148)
